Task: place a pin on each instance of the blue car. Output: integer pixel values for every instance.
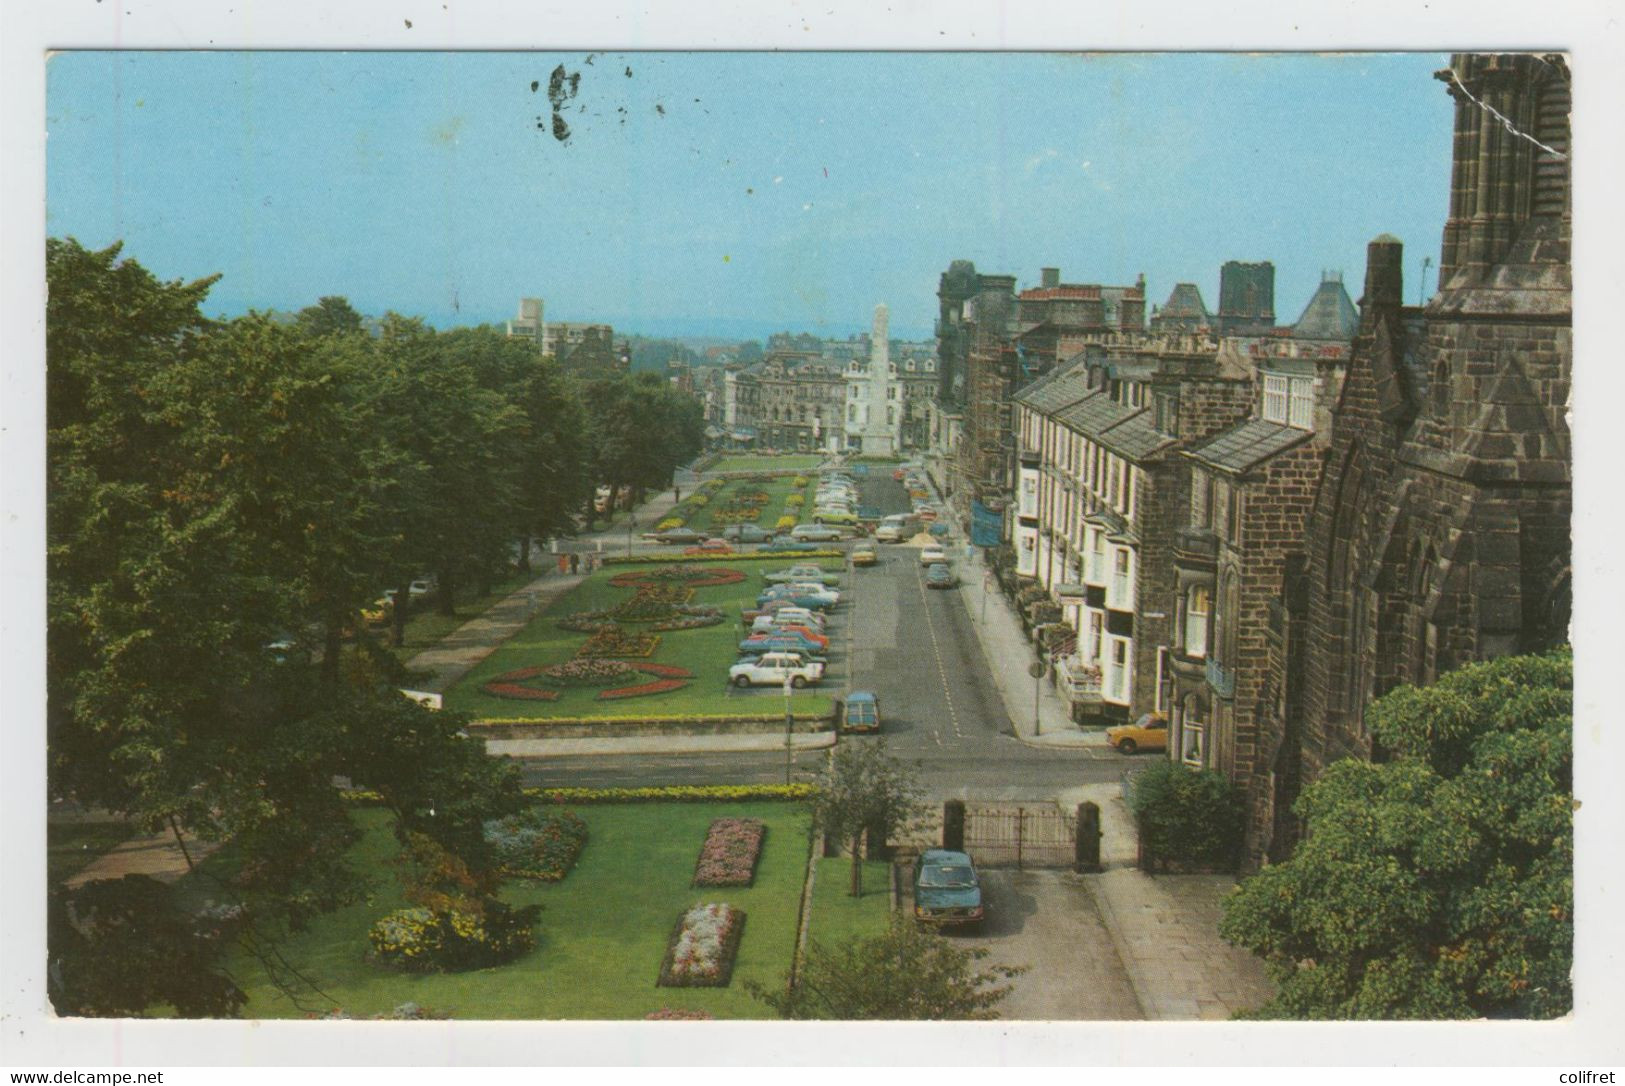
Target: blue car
(781, 641)
(946, 889)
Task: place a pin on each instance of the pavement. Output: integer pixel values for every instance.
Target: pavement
(658, 744)
(1164, 928)
(155, 855)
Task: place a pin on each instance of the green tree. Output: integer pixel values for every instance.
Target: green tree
(864, 790)
(330, 316)
(903, 974)
(1438, 884)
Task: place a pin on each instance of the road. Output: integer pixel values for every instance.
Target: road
(917, 650)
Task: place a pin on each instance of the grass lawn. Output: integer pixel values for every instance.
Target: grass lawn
(708, 652)
(837, 916)
(426, 627)
(777, 491)
(601, 936)
(70, 846)
(747, 462)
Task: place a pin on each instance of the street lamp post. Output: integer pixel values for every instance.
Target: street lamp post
(1037, 672)
(789, 725)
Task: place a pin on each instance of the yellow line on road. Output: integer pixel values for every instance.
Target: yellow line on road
(936, 650)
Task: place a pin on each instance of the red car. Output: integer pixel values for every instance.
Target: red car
(711, 546)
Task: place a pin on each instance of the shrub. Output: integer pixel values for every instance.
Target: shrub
(786, 522)
(669, 523)
(796, 501)
(538, 843)
(423, 940)
(1191, 819)
(728, 857)
(800, 482)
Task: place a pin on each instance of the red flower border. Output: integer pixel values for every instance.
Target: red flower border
(667, 677)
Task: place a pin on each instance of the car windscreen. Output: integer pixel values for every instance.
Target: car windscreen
(947, 877)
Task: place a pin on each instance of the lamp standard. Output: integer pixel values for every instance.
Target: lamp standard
(789, 725)
(631, 523)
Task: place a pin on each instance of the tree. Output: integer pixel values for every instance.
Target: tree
(864, 790)
(1438, 884)
(331, 315)
(902, 974)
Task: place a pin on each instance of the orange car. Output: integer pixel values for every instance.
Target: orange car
(710, 546)
(1150, 732)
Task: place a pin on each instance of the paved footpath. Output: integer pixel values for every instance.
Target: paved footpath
(156, 856)
(1165, 927)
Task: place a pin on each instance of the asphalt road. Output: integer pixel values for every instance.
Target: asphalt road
(916, 649)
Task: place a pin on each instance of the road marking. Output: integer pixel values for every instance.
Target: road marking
(936, 650)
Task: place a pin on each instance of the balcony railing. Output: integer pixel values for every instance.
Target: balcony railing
(1080, 682)
(1221, 679)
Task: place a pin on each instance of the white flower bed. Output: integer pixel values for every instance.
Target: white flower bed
(703, 946)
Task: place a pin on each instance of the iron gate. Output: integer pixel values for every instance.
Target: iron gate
(1009, 835)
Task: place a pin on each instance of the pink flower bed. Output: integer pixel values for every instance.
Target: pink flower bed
(703, 946)
(730, 852)
(658, 686)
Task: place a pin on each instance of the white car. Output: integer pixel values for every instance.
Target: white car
(933, 555)
(791, 616)
(771, 668)
(815, 533)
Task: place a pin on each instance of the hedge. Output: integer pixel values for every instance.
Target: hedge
(669, 793)
(748, 556)
(1188, 819)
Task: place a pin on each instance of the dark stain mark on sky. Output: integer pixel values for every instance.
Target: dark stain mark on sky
(561, 88)
(629, 72)
(660, 109)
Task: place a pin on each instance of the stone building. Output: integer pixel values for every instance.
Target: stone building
(1439, 533)
(1246, 298)
(1252, 487)
(1054, 318)
(1101, 494)
(984, 457)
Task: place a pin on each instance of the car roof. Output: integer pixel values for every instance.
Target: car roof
(860, 696)
(943, 856)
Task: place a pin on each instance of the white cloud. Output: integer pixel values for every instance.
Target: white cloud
(1032, 164)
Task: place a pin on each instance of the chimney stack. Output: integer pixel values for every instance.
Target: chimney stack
(1384, 277)
(1051, 277)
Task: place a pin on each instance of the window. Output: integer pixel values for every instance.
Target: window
(1275, 398)
(1117, 671)
(1201, 492)
(1302, 412)
(1097, 630)
(1198, 603)
(1233, 518)
(1097, 555)
(1192, 733)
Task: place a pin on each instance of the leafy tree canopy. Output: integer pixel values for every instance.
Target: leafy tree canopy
(1439, 884)
(864, 790)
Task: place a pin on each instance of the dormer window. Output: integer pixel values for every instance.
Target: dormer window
(1289, 401)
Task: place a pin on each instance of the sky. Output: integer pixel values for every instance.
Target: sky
(738, 193)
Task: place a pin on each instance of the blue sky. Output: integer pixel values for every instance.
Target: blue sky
(741, 190)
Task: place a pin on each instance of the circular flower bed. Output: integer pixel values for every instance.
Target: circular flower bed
(589, 672)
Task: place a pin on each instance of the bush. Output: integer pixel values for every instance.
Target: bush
(786, 522)
(538, 843)
(669, 523)
(1189, 819)
(795, 501)
(800, 482)
(423, 940)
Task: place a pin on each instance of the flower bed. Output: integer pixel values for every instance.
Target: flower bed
(615, 641)
(753, 556)
(728, 857)
(589, 671)
(669, 793)
(703, 945)
(538, 843)
(421, 940)
(677, 1014)
(658, 686)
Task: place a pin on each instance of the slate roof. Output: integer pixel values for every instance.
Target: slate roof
(1122, 429)
(1240, 448)
(1185, 301)
(1329, 315)
(1056, 390)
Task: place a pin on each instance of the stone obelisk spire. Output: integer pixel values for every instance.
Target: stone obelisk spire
(879, 438)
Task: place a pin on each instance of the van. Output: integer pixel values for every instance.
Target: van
(897, 527)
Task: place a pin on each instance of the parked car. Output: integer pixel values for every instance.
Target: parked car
(680, 535)
(812, 574)
(784, 641)
(1150, 732)
(772, 624)
(710, 546)
(784, 611)
(770, 669)
(746, 533)
(940, 575)
(932, 554)
(834, 516)
(815, 533)
(810, 596)
(860, 712)
(946, 889)
(864, 554)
